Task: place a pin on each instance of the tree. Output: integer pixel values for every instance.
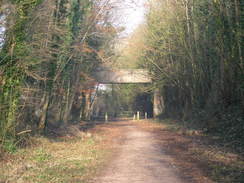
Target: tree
(194, 53)
(47, 59)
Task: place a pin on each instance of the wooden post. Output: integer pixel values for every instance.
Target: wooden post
(145, 115)
(138, 115)
(106, 117)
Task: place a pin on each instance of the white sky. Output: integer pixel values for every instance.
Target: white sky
(2, 29)
(129, 14)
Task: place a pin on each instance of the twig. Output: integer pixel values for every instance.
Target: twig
(23, 132)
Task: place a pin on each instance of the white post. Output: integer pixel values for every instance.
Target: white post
(138, 115)
(134, 117)
(145, 115)
(106, 117)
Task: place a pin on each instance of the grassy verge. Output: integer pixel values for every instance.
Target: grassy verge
(60, 160)
(219, 162)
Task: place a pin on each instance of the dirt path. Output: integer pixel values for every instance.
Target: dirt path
(139, 159)
(139, 152)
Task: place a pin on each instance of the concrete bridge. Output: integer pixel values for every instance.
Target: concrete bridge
(127, 76)
(122, 76)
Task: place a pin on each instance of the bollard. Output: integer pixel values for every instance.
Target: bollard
(134, 117)
(106, 117)
(145, 115)
(138, 115)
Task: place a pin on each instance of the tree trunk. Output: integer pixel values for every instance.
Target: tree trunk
(88, 105)
(43, 118)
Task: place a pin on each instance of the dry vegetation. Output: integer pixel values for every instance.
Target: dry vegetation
(201, 157)
(70, 156)
(76, 153)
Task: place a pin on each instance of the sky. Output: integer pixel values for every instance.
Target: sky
(2, 29)
(129, 14)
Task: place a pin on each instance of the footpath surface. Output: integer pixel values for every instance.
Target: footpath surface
(139, 159)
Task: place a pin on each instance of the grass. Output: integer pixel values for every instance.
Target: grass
(69, 159)
(76, 159)
(9, 146)
(40, 155)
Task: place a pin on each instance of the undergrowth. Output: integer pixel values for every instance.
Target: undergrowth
(224, 164)
(65, 159)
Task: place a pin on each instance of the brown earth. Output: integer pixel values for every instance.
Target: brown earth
(143, 154)
(123, 152)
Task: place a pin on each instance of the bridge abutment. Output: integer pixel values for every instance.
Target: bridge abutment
(158, 103)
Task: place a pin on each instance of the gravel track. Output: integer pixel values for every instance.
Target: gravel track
(139, 160)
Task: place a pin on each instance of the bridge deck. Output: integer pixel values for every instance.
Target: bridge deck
(123, 76)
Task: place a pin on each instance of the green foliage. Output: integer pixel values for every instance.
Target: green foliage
(193, 50)
(15, 49)
(48, 54)
(9, 146)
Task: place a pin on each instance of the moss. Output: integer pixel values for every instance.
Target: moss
(15, 50)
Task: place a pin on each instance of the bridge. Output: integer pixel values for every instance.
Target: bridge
(122, 76)
(130, 76)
